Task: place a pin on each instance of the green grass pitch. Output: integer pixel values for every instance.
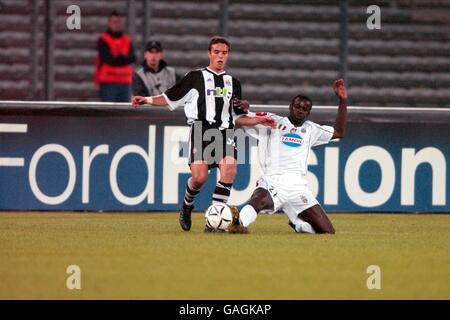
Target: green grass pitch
(148, 256)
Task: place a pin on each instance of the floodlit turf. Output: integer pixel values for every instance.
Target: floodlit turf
(147, 256)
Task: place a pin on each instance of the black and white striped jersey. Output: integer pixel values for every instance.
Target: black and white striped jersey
(206, 95)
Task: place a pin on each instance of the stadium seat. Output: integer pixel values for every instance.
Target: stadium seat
(277, 48)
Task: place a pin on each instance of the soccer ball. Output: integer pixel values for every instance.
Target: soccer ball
(218, 216)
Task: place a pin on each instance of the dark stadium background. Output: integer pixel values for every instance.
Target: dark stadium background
(278, 47)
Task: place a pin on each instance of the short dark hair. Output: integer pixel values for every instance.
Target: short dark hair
(115, 13)
(218, 39)
(301, 97)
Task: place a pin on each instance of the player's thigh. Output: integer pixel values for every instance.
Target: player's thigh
(318, 219)
(262, 200)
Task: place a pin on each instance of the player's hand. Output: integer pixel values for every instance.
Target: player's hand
(244, 105)
(268, 122)
(138, 101)
(339, 89)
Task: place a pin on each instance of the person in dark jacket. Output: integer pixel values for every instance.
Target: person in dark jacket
(114, 64)
(155, 76)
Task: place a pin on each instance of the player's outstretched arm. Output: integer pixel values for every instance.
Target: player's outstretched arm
(340, 124)
(253, 121)
(157, 101)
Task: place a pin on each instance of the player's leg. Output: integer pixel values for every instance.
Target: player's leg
(318, 219)
(295, 222)
(225, 154)
(227, 171)
(301, 200)
(221, 194)
(262, 199)
(259, 201)
(199, 175)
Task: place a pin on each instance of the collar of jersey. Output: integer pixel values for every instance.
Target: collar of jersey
(217, 74)
(294, 124)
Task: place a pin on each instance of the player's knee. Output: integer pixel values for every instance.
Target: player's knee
(261, 201)
(326, 230)
(330, 229)
(199, 179)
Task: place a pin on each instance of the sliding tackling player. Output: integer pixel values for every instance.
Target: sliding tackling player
(283, 156)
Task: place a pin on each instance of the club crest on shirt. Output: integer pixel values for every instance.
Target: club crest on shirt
(292, 140)
(304, 199)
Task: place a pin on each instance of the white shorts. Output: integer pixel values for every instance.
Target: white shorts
(288, 194)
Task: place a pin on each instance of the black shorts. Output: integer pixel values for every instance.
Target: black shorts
(211, 144)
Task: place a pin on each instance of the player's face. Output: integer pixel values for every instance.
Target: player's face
(218, 57)
(300, 109)
(153, 57)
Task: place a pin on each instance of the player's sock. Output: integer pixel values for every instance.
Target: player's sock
(303, 226)
(247, 215)
(190, 194)
(222, 192)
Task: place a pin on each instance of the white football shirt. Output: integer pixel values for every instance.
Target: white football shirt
(285, 150)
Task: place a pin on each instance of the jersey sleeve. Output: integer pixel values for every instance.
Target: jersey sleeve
(260, 131)
(181, 92)
(321, 134)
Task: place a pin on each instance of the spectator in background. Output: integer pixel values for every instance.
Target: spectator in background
(115, 57)
(155, 76)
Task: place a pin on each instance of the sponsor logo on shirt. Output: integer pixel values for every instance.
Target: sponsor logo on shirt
(218, 92)
(292, 140)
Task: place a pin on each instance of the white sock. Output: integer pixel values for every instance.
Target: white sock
(247, 215)
(303, 226)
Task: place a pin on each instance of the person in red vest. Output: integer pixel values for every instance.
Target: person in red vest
(114, 64)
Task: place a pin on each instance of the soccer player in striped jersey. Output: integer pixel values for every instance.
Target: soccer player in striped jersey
(212, 104)
(283, 157)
